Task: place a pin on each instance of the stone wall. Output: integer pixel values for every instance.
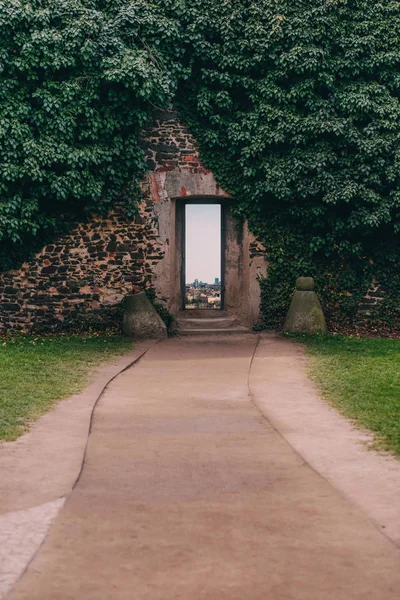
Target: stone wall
(93, 267)
(370, 304)
(175, 169)
(100, 262)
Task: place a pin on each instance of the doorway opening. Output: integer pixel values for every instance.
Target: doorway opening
(202, 264)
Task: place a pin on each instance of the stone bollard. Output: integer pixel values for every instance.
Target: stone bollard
(141, 320)
(305, 313)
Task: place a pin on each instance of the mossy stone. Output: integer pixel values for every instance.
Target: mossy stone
(141, 320)
(305, 284)
(305, 314)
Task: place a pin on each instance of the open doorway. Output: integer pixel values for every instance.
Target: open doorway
(202, 258)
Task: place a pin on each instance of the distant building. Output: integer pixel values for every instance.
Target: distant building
(216, 282)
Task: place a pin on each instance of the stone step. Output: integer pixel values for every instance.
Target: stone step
(204, 323)
(203, 314)
(199, 332)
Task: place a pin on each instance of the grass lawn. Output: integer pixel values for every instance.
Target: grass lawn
(35, 372)
(361, 377)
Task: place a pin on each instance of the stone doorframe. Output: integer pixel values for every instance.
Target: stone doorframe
(180, 204)
(243, 263)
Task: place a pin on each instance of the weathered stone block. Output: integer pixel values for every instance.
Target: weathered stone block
(305, 313)
(141, 320)
(9, 306)
(48, 270)
(305, 284)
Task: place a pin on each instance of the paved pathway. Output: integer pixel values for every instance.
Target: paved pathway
(188, 493)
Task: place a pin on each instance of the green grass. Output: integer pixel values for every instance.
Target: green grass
(36, 372)
(361, 377)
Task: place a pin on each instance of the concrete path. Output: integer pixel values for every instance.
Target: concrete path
(187, 492)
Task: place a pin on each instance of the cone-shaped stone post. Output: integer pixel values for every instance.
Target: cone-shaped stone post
(141, 320)
(305, 313)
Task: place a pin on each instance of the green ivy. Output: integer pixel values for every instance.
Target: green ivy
(296, 106)
(79, 78)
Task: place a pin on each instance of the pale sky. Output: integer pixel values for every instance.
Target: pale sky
(203, 242)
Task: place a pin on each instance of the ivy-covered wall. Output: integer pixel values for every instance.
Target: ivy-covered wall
(295, 106)
(81, 277)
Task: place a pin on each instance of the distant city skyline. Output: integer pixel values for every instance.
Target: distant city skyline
(199, 282)
(203, 242)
